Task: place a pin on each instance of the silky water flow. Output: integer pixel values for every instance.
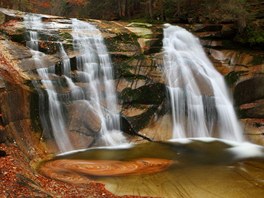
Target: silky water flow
(93, 64)
(199, 99)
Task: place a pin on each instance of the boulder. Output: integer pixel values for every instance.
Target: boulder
(83, 118)
(249, 90)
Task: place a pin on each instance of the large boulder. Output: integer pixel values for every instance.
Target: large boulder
(249, 91)
(83, 118)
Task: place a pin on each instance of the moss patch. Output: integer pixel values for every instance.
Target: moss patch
(251, 36)
(232, 77)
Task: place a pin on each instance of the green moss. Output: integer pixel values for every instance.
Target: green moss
(252, 35)
(65, 35)
(113, 43)
(140, 24)
(232, 77)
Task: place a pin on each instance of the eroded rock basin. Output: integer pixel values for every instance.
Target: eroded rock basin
(188, 168)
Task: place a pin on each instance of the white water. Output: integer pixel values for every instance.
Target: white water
(95, 66)
(200, 103)
(33, 23)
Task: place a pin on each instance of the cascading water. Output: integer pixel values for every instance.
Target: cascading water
(199, 99)
(33, 23)
(94, 67)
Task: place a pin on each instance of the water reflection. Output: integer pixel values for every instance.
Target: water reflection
(194, 168)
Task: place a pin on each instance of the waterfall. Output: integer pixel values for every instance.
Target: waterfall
(95, 65)
(200, 103)
(33, 23)
(95, 68)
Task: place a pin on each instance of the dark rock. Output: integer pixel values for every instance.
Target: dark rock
(127, 128)
(2, 153)
(140, 121)
(252, 110)
(209, 28)
(249, 91)
(148, 94)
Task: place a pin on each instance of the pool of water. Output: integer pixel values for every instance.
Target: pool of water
(186, 168)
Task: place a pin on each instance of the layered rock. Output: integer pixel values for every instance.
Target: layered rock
(136, 53)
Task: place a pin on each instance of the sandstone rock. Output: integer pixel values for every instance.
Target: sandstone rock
(15, 105)
(252, 110)
(254, 130)
(80, 140)
(136, 52)
(22, 133)
(83, 118)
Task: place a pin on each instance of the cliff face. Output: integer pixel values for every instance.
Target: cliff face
(136, 53)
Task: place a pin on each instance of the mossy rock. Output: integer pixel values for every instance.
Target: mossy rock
(123, 42)
(140, 24)
(155, 45)
(232, 77)
(65, 36)
(252, 36)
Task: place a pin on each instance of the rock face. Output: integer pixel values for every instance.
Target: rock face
(136, 53)
(244, 74)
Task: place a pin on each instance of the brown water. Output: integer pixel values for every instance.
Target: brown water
(167, 169)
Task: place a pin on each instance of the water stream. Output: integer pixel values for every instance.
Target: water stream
(94, 65)
(201, 107)
(200, 103)
(33, 23)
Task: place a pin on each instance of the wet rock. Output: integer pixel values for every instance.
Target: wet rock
(144, 95)
(207, 27)
(252, 110)
(249, 90)
(15, 105)
(254, 130)
(81, 140)
(83, 118)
